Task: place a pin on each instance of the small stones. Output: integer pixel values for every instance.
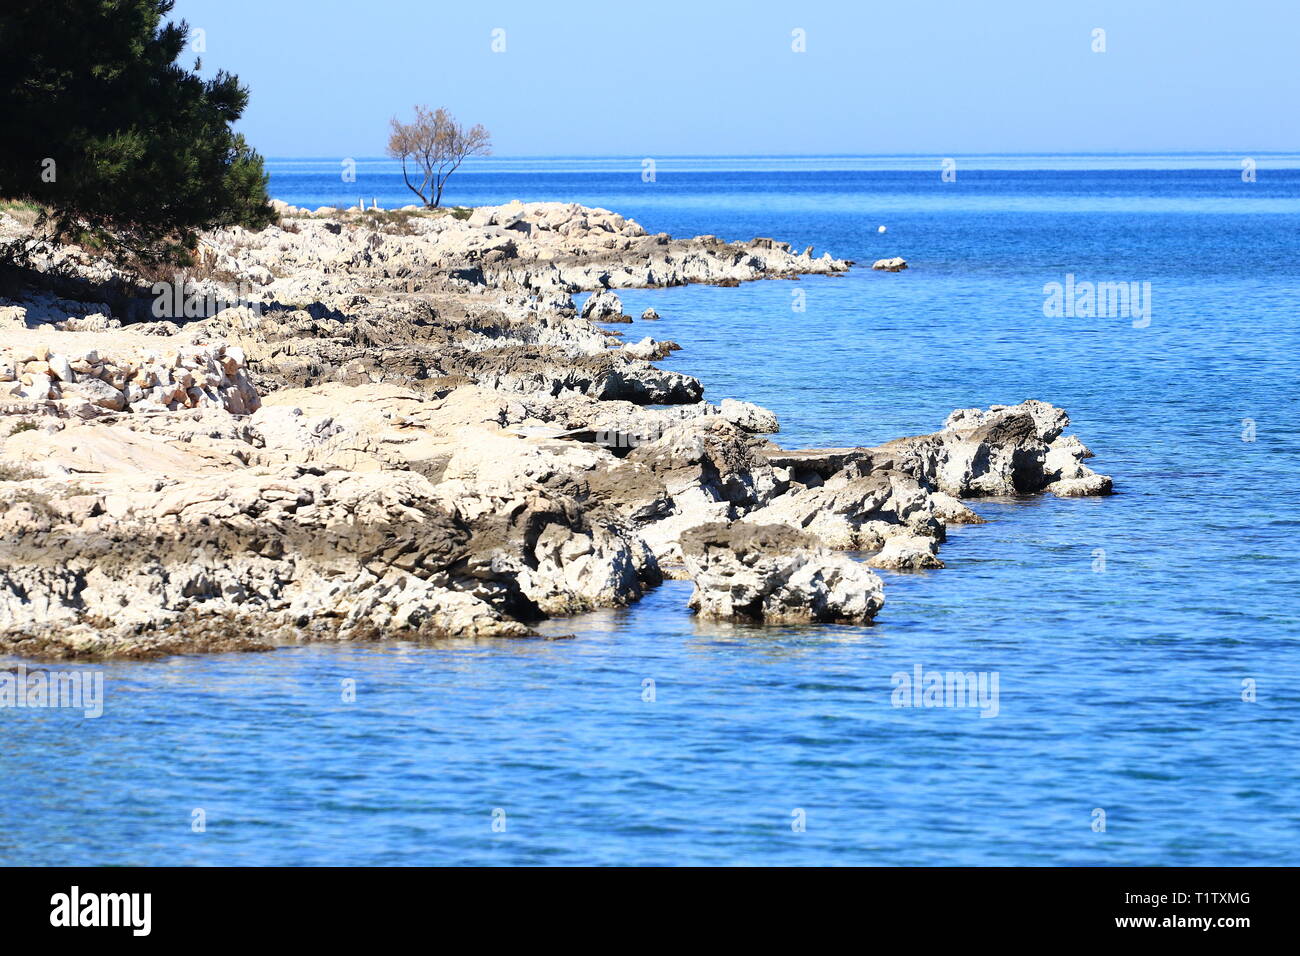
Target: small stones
(190, 376)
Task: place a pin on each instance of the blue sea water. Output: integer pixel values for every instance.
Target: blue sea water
(1124, 631)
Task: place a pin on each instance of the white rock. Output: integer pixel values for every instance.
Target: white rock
(602, 305)
(96, 392)
(13, 317)
(750, 417)
(776, 575)
(61, 368)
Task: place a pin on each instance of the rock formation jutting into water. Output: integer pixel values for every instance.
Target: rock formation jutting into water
(407, 429)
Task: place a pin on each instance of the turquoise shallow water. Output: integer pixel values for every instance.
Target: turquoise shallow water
(1119, 689)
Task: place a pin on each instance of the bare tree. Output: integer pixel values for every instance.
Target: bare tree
(436, 145)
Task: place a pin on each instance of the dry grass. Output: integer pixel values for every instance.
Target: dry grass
(25, 212)
(381, 220)
(12, 472)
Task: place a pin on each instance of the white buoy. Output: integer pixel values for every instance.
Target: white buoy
(881, 229)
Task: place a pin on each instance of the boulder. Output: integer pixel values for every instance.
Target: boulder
(603, 307)
(12, 317)
(96, 392)
(857, 509)
(62, 368)
(649, 350)
(1006, 450)
(773, 574)
(908, 552)
(752, 418)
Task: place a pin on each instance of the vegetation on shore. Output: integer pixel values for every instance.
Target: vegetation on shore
(109, 140)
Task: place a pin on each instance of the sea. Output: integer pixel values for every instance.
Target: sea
(1133, 661)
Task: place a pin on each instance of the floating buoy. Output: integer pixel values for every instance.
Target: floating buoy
(880, 229)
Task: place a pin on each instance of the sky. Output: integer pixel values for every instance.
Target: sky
(709, 77)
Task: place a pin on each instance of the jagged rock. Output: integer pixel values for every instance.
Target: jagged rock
(649, 350)
(908, 552)
(1007, 450)
(96, 392)
(857, 509)
(775, 575)
(403, 426)
(339, 556)
(602, 306)
(750, 417)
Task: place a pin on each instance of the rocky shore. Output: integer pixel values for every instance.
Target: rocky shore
(364, 426)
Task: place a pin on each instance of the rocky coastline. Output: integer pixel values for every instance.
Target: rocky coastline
(358, 425)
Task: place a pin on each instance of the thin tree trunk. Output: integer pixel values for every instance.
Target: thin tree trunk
(408, 183)
(442, 180)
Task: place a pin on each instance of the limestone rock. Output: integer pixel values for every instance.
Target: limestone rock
(97, 392)
(905, 552)
(856, 509)
(649, 350)
(750, 417)
(403, 426)
(775, 575)
(1006, 450)
(602, 306)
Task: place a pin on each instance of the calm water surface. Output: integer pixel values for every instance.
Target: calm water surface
(1120, 689)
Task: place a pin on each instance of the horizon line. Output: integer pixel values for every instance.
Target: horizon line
(776, 155)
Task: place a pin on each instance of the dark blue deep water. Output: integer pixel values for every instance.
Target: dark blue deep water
(1123, 630)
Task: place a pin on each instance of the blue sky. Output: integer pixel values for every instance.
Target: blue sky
(669, 78)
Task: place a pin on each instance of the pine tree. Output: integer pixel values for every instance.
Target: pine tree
(104, 129)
